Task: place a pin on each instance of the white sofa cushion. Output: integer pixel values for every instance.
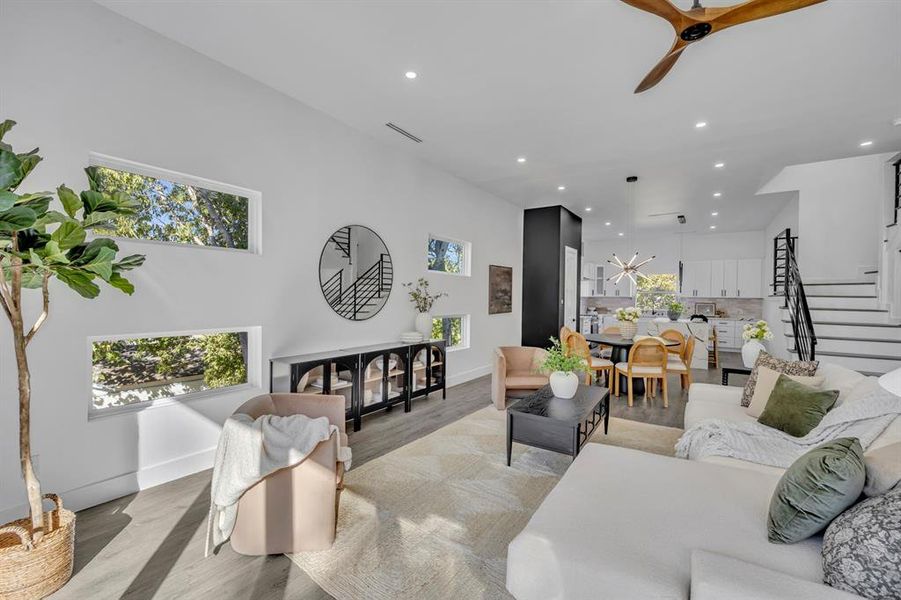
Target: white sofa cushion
(621, 524)
(709, 401)
(717, 577)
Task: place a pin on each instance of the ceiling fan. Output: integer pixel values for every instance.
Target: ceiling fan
(698, 22)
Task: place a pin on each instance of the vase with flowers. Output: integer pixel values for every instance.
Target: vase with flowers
(754, 335)
(423, 300)
(628, 321)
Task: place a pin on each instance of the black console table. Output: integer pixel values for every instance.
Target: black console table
(371, 378)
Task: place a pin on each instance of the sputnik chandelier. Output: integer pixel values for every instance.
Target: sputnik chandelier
(629, 269)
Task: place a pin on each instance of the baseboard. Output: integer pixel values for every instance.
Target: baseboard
(122, 485)
(469, 375)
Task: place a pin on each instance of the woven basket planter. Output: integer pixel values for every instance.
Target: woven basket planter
(28, 572)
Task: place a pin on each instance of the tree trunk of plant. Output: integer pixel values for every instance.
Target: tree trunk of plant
(32, 485)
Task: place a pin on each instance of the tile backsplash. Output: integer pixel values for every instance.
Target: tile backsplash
(725, 307)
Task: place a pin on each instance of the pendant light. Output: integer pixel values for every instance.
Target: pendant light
(629, 269)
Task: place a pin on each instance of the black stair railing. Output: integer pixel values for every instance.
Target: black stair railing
(362, 293)
(780, 260)
(341, 239)
(332, 288)
(796, 300)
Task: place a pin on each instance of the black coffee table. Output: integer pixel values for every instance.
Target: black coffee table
(557, 424)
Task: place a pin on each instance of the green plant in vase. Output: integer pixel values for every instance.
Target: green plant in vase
(39, 244)
(562, 367)
(674, 310)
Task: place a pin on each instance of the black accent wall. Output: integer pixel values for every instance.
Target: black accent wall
(546, 233)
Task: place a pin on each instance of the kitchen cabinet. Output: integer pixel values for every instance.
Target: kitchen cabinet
(588, 270)
(696, 278)
(749, 279)
(726, 278)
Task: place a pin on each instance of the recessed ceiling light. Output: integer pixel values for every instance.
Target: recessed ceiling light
(561, 188)
(866, 143)
(719, 165)
(713, 226)
(620, 234)
(410, 75)
(701, 124)
(717, 194)
(521, 159)
(588, 209)
(608, 223)
(897, 122)
(714, 213)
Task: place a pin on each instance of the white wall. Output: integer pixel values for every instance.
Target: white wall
(840, 209)
(670, 248)
(97, 82)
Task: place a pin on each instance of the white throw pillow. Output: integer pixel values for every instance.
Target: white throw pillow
(840, 378)
(766, 381)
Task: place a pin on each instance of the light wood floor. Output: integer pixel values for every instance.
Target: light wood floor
(150, 544)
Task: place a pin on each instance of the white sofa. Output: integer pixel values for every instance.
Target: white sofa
(623, 524)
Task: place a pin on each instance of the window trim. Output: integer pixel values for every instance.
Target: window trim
(254, 370)
(254, 200)
(467, 256)
(464, 329)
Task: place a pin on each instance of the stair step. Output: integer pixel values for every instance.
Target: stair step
(859, 302)
(870, 363)
(856, 345)
(847, 289)
(859, 317)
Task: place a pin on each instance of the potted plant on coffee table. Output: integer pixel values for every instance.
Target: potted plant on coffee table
(38, 244)
(562, 367)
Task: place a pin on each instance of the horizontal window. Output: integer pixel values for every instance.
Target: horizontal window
(176, 208)
(139, 370)
(448, 256)
(656, 291)
(453, 329)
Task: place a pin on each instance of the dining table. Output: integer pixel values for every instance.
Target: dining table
(621, 347)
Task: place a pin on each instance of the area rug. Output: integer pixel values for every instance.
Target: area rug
(433, 519)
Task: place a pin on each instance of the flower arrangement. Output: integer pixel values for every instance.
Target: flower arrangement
(630, 314)
(557, 359)
(757, 331)
(420, 295)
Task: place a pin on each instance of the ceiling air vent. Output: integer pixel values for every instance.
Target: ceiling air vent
(404, 132)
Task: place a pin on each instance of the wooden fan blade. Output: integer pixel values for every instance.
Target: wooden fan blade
(758, 9)
(662, 8)
(662, 68)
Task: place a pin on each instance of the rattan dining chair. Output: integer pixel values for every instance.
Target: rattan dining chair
(565, 332)
(676, 336)
(681, 364)
(647, 360)
(577, 345)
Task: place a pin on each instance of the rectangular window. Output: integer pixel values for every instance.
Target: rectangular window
(656, 291)
(138, 370)
(448, 256)
(453, 329)
(177, 208)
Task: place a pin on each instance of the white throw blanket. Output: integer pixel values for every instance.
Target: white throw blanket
(248, 451)
(864, 419)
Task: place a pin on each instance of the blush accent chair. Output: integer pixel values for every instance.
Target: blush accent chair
(516, 368)
(294, 509)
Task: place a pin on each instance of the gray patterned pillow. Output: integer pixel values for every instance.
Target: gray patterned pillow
(862, 548)
(804, 368)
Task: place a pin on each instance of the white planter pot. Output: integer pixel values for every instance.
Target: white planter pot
(564, 384)
(750, 351)
(424, 325)
(628, 329)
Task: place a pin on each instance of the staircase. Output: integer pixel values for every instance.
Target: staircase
(341, 240)
(851, 328)
(361, 299)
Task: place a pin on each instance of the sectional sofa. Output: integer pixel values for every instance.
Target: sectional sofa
(624, 524)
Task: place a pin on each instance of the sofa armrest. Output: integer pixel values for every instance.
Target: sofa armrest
(498, 379)
(711, 392)
(716, 576)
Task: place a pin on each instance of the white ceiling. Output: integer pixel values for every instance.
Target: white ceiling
(553, 81)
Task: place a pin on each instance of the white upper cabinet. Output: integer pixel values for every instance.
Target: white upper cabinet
(749, 280)
(588, 270)
(696, 278)
(726, 278)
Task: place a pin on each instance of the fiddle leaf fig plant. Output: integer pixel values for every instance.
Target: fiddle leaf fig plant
(38, 244)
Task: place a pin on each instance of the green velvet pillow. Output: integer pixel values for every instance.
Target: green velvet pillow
(796, 408)
(815, 489)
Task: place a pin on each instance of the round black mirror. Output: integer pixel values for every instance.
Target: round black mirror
(355, 272)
